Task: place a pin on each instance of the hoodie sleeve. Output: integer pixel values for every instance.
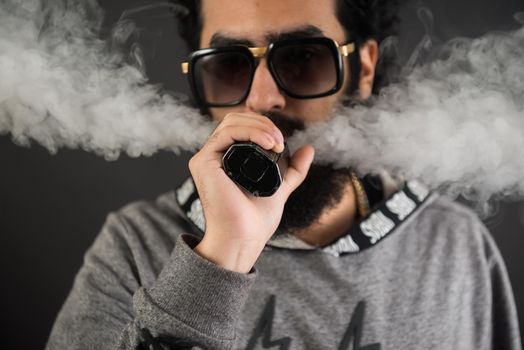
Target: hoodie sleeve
(504, 320)
(192, 302)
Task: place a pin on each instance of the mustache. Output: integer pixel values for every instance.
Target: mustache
(287, 125)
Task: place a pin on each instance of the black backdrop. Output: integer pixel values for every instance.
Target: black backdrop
(52, 206)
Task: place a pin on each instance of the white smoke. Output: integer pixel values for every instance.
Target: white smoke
(456, 123)
(62, 87)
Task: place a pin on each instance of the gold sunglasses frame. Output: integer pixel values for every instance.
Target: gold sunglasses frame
(261, 51)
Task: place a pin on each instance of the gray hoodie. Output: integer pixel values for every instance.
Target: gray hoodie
(420, 272)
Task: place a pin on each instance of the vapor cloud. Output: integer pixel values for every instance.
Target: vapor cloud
(63, 87)
(456, 122)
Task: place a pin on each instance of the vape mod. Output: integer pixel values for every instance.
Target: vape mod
(257, 170)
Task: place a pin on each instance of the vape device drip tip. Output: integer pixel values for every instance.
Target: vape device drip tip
(257, 170)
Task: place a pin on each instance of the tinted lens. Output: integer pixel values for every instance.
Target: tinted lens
(305, 69)
(222, 77)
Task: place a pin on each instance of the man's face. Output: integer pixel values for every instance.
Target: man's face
(255, 22)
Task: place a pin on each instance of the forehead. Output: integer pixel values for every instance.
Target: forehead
(257, 20)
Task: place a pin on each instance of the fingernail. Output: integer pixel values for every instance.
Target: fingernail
(279, 147)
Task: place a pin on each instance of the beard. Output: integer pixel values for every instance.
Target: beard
(322, 189)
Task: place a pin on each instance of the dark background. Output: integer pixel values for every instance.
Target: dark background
(52, 206)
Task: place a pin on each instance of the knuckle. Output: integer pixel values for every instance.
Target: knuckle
(226, 128)
(193, 162)
(266, 120)
(229, 117)
(220, 126)
(266, 127)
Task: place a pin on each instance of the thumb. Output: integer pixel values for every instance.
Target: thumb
(298, 168)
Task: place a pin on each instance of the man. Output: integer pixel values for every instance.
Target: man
(310, 266)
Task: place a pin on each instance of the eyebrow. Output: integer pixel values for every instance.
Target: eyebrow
(309, 31)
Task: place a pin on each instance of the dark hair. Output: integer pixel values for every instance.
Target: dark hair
(361, 19)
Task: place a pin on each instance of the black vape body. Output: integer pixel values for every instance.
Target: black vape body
(257, 170)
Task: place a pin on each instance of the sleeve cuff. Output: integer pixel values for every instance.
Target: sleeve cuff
(199, 293)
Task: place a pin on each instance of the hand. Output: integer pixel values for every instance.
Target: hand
(238, 224)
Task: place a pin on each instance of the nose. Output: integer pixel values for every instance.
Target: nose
(264, 95)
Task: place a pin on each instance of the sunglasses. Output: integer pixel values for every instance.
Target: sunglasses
(302, 68)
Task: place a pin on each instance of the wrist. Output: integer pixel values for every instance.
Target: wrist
(234, 256)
